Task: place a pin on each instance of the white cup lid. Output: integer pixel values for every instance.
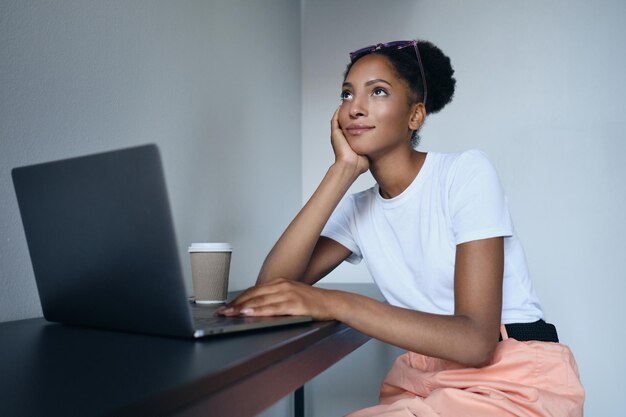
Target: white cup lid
(210, 247)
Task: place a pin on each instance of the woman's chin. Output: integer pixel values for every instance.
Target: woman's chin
(360, 145)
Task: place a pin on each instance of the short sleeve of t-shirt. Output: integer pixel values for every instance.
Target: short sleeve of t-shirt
(478, 207)
(340, 226)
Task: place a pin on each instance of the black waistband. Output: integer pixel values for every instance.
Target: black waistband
(539, 330)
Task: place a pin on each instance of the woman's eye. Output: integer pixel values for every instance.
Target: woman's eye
(379, 92)
(345, 95)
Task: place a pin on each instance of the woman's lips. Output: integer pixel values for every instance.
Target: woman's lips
(358, 129)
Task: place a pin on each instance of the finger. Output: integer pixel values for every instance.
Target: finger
(237, 299)
(275, 309)
(253, 303)
(275, 286)
(334, 122)
(249, 309)
(251, 293)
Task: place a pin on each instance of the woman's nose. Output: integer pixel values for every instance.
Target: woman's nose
(358, 108)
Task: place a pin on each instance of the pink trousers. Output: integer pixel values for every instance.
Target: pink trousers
(537, 379)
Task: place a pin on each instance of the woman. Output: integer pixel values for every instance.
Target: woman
(437, 238)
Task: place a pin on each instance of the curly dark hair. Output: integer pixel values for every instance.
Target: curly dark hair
(438, 72)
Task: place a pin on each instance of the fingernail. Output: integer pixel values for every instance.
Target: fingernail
(246, 311)
(224, 310)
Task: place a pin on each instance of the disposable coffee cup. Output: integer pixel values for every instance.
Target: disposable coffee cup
(210, 267)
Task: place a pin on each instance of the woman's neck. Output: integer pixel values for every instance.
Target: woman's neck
(394, 172)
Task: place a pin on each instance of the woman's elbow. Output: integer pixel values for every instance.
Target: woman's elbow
(480, 354)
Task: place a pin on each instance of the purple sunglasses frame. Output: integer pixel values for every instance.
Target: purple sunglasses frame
(394, 45)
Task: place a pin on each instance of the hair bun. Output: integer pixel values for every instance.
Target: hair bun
(439, 76)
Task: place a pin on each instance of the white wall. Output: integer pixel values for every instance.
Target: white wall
(541, 90)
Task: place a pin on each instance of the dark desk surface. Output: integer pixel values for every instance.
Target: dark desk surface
(51, 369)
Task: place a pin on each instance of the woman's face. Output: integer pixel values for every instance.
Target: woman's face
(375, 111)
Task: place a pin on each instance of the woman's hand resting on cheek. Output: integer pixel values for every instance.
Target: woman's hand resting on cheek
(281, 297)
(343, 152)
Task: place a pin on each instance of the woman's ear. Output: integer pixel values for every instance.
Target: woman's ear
(418, 115)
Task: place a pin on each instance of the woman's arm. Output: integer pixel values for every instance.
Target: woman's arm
(469, 336)
(292, 253)
(300, 253)
(327, 255)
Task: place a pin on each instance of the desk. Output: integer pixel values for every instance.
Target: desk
(56, 370)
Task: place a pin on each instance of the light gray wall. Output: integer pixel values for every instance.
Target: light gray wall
(205, 80)
(541, 90)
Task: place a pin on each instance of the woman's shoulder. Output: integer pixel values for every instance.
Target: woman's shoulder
(468, 156)
(359, 198)
(362, 197)
(460, 167)
(463, 161)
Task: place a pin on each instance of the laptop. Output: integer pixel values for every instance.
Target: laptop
(102, 244)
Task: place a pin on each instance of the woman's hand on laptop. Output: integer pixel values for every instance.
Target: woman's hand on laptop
(282, 297)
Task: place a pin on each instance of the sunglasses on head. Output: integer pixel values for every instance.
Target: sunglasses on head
(393, 45)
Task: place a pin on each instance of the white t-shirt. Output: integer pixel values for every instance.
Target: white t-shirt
(409, 242)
